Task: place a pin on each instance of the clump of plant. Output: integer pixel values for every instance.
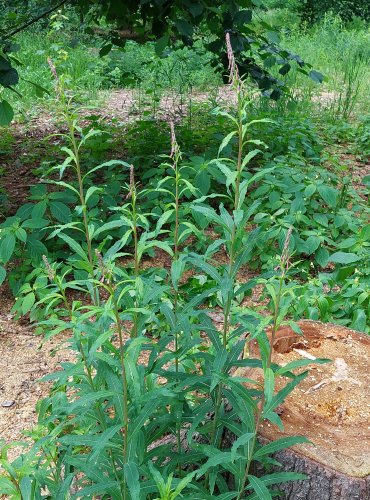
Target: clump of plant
(362, 138)
(136, 417)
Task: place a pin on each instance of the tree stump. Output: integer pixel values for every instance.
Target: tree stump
(330, 407)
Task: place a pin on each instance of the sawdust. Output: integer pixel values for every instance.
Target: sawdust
(331, 406)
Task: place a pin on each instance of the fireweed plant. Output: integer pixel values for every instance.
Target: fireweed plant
(136, 417)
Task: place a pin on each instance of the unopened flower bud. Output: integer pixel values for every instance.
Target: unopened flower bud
(233, 68)
(174, 144)
(49, 269)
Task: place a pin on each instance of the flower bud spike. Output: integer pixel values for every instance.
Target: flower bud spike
(49, 269)
(131, 188)
(233, 68)
(285, 253)
(102, 267)
(132, 178)
(174, 144)
(55, 75)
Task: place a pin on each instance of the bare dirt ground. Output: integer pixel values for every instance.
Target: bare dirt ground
(22, 361)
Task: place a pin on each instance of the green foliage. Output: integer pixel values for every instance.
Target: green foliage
(346, 299)
(151, 408)
(279, 4)
(362, 137)
(321, 206)
(314, 10)
(110, 425)
(338, 52)
(181, 69)
(184, 23)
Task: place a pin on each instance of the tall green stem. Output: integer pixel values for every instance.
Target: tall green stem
(90, 378)
(262, 402)
(175, 302)
(231, 258)
(136, 255)
(240, 151)
(176, 156)
(124, 377)
(82, 201)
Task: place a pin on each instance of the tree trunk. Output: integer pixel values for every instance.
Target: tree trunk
(323, 483)
(330, 407)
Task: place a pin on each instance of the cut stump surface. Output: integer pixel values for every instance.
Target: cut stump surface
(331, 407)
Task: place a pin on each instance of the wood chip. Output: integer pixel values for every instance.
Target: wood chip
(7, 404)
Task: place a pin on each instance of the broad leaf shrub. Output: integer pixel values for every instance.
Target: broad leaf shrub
(349, 305)
(137, 417)
(362, 140)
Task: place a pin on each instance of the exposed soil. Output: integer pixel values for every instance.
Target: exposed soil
(23, 362)
(126, 105)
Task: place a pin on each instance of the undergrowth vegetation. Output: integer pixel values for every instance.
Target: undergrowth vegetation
(237, 195)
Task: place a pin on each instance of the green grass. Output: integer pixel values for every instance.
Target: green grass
(72, 58)
(341, 54)
(85, 73)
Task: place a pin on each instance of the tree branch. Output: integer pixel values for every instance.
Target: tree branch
(34, 20)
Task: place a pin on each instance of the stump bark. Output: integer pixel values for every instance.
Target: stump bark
(330, 407)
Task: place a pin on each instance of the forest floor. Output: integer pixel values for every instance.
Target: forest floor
(24, 358)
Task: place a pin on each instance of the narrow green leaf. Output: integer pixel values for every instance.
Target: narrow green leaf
(299, 363)
(113, 224)
(132, 479)
(207, 268)
(109, 163)
(248, 157)
(242, 441)
(279, 444)
(183, 484)
(220, 457)
(8, 488)
(76, 247)
(269, 385)
(259, 487)
(226, 141)
(277, 478)
(282, 394)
